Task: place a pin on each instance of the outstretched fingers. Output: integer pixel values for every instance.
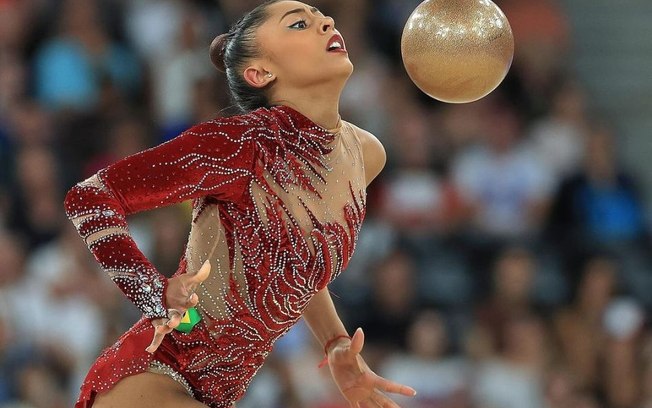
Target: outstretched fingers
(163, 327)
(385, 385)
(160, 330)
(382, 400)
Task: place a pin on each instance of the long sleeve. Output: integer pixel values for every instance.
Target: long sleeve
(214, 158)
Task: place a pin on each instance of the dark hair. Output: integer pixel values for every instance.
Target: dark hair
(230, 52)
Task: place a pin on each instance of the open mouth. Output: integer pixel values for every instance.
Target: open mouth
(336, 44)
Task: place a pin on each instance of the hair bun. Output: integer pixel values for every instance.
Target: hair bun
(218, 46)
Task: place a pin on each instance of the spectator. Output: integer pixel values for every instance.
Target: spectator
(16, 20)
(559, 138)
(13, 83)
(542, 45)
(505, 187)
(38, 385)
(186, 66)
(513, 278)
(152, 25)
(623, 324)
(6, 336)
(647, 371)
(126, 135)
(439, 378)
(386, 316)
(514, 378)
(36, 198)
(601, 204)
(414, 199)
(81, 62)
(560, 389)
(579, 326)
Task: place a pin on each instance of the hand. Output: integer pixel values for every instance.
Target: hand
(361, 387)
(179, 296)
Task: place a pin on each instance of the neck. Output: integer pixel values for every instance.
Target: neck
(319, 105)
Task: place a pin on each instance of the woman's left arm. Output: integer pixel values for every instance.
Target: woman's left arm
(322, 319)
(360, 386)
(320, 313)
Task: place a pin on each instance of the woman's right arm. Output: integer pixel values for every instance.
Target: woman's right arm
(214, 158)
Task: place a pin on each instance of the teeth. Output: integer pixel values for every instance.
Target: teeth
(335, 45)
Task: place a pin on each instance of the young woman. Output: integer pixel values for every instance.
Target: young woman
(278, 197)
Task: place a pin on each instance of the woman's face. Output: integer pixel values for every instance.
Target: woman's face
(301, 47)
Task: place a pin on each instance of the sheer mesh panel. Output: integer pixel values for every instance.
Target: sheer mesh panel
(208, 241)
(93, 238)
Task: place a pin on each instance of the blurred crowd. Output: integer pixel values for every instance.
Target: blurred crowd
(504, 262)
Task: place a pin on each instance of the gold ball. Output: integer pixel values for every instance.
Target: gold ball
(457, 51)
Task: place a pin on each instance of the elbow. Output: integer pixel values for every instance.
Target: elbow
(72, 201)
(83, 197)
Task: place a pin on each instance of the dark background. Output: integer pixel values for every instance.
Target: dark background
(505, 259)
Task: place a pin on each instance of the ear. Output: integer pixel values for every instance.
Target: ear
(257, 76)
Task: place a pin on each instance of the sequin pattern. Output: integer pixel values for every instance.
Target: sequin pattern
(278, 203)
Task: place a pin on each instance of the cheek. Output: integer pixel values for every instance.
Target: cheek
(297, 57)
(297, 65)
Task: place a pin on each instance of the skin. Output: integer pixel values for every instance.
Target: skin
(293, 42)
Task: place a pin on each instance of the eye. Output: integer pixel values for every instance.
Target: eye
(299, 25)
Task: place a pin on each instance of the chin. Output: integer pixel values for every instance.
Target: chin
(344, 70)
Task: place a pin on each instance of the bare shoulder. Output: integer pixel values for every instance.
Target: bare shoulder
(373, 153)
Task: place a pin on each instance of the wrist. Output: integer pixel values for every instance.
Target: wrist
(330, 344)
(152, 300)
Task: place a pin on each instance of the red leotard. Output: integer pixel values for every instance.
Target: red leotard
(277, 207)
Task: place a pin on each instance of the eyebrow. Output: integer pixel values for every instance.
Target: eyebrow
(315, 10)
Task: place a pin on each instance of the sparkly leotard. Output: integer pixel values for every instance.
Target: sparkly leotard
(277, 207)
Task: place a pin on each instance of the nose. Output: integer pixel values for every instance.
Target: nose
(327, 23)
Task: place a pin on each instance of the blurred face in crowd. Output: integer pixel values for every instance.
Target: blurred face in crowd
(503, 128)
(560, 388)
(79, 16)
(525, 338)
(11, 259)
(600, 159)
(127, 137)
(570, 102)
(300, 47)
(394, 284)
(13, 80)
(514, 275)
(597, 285)
(427, 337)
(37, 170)
(14, 25)
(31, 124)
(414, 150)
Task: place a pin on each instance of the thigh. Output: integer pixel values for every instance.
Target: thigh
(146, 390)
